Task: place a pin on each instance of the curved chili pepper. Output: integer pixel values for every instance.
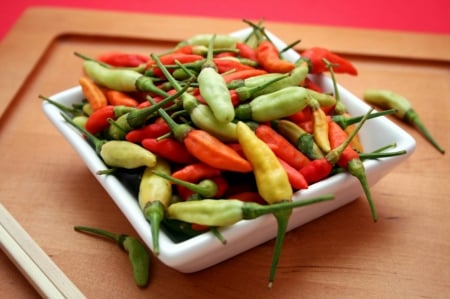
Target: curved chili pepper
(196, 171)
(169, 149)
(93, 93)
(268, 57)
(227, 64)
(349, 159)
(272, 182)
(246, 51)
(320, 127)
(137, 252)
(388, 99)
(295, 177)
(284, 149)
(121, 59)
(155, 193)
(214, 90)
(315, 55)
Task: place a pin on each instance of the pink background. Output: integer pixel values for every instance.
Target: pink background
(417, 16)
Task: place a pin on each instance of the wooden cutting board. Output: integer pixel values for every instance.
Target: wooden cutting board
(46, 187)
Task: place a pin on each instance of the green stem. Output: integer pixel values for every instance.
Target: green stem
(375, 155)
(345, 121)
(413, 118)
(96, 142)
(206, 188)
(62, 107)
(154, 213)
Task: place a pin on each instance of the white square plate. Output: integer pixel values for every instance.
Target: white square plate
(205, 250)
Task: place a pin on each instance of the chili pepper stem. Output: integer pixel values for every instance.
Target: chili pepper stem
(206, 188)
(154, 213)
(377, 155)
(100, 232)
(356, 168)
(98, 143)
(218, 235)
(282, 218)
(412, 118)
(60, 106)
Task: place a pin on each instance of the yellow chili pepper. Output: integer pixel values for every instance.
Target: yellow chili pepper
(271, 180)
(320, 129)
(155, 193)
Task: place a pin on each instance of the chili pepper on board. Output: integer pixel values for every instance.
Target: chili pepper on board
(319, 169)
(117, 153)
(138, 255)
(205, 147)
(388, 99)
(93, 93)
(214, 90)
(349, 159)
(315, 56)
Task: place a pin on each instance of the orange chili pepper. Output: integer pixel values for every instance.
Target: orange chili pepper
(268, 57)
(93, 93)
(116, 97)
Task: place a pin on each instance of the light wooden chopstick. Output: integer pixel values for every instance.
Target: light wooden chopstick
(45, 276)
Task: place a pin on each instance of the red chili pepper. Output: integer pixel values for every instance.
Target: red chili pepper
(243, 74)
(152, 130)
(296, 179)
(301, 116)
(196, 171)
(349, 159)
(120, 59)
(169, 149)
(225, 54)
(316, 56)
(116, 97)
(284, 149)
(224, 65)
(99, 119)
(308, 83)
(171, 59)
(268, 57)
(192, 49)
(246, 51)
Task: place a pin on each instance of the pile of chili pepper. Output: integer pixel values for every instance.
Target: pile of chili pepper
(219, 129)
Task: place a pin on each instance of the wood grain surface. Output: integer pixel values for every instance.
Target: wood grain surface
(48, 189)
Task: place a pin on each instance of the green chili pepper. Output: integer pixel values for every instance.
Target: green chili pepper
(388, 99)
(155, 194)
(205, 188)
(201, 115)
(280, 103)
(214, 90)
(117, 153)
(220, 41)
(137, 252)
(120, 79)
(225, 212)
(301, 139)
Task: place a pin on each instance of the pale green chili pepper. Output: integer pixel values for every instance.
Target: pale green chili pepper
(220, 41)
(214, 89)
(137, 253)
(387, 99)
(117, 153)
(280, 103)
